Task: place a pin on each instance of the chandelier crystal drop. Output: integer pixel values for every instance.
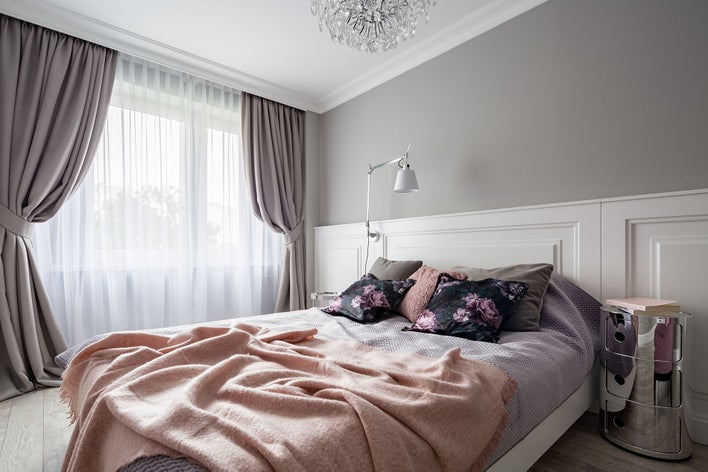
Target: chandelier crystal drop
(371, 25)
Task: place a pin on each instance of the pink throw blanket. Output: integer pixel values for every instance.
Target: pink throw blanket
(244, 398)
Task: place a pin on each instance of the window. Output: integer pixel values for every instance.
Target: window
(160, 232)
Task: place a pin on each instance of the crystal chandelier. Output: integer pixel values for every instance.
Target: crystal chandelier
(371, 25)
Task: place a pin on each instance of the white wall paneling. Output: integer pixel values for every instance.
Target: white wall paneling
(339, 252)
(566, 235)
(657, 246)
(649, 245)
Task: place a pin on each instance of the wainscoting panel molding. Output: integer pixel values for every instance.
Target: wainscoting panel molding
(648, 245)
(657, 246)
(566, 235)
(339, 252)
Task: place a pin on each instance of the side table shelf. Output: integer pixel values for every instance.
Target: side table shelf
(642, 382)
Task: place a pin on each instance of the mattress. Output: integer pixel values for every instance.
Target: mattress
(548, 365)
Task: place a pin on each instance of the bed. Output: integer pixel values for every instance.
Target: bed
(548, 366)
(610, 248)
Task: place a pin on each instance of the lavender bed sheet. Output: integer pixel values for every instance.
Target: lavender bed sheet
(548, 365)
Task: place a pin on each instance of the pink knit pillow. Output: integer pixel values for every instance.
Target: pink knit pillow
(417, 298)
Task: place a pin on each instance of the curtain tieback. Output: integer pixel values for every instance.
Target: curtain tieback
(13, 223)
(294, 235)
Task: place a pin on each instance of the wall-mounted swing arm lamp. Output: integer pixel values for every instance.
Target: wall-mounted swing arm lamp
(406, 182)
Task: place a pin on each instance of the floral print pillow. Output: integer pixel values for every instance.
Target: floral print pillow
(366, 299)
(470, 309)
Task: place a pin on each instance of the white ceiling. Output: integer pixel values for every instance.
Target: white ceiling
(270, 47)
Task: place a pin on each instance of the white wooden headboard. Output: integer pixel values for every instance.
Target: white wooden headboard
(649, 245)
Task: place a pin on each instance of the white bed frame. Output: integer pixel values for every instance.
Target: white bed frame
(650, 245)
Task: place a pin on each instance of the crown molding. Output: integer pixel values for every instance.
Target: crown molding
(471, 26)
(66, 21)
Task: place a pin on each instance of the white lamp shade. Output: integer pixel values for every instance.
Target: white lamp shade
(406, 181)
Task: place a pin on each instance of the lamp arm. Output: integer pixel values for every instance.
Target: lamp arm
(387, 163)
(374, 236)
(368, 200)
(372, 168)
(396, 160)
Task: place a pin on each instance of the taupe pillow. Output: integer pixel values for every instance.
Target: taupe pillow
(385, 269)
(528, 312)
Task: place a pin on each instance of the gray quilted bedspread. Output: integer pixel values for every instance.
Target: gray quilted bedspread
(548, 365)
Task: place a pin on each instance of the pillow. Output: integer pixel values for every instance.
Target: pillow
(384, 269)
(417, 298)
(527, 314)
(366, 299)
(470, 309)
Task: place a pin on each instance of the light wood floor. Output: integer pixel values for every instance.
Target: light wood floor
(582, 448)
(34, 432)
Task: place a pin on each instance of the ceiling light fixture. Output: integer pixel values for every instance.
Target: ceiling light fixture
(371, 25)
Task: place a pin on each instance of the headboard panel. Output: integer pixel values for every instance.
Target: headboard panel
(649, 246)
(568, 236)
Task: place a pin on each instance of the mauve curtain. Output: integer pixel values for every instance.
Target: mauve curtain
(274, 149)
(54, 95)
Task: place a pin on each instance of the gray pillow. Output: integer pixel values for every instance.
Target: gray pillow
(385, 269)
(528, 312)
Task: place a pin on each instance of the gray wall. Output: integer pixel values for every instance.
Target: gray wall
(572, 100)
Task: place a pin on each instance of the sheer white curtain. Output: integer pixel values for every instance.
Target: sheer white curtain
(161, 232)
